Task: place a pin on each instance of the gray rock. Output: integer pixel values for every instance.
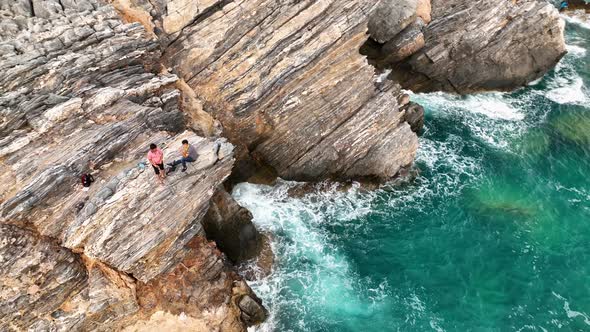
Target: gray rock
(77, 5)
(390, 17)
(230, 226)
(406, 43)
(414, 116)
(252, 311)
(47, 8)
(486, 45)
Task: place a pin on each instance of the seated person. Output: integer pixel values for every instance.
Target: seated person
(189, 155)
(87, 180)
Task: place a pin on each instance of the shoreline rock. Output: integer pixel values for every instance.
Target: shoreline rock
(231, 227)
(85, 92)
(507, 45)
(86, 88)
(291, 90)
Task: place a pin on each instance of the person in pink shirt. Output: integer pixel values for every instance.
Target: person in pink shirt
(156, 157)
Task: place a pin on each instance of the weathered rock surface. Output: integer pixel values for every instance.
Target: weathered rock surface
(167, 217)
(284, 81)
(36, 276)
(107, 301)
(230, 226)
(290, 87)
(251, 307)
(485, 45)
(46, 287)
(82, 91)
(414, 116)
(405, 43)
(390, 17)
(205, 287)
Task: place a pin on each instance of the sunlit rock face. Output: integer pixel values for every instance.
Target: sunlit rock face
(83, 91)
(281, 85)
(287, 81)
(472, 46)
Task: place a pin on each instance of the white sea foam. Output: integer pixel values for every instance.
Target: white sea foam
(493, 105)
(493, 117)
(575, 50)
(568, 91)
(579, 20)
(580, 195)
(572, 313)
(307, 263)
(447, 154)
(535, 82)
(311, 275)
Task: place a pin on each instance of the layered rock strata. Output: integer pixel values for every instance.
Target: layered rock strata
(82, 91)
(468, 46)
(87, 85)
(288, 83)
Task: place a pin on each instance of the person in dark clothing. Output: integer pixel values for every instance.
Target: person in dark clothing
(189, 155)
(87, 179)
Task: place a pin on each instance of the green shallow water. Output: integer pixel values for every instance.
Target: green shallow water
(494, 234)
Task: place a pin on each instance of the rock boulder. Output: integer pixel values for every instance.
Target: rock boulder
(485, 45)
(390, 17)
(231, 227)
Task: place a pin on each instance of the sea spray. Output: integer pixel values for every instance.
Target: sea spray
(307, 263)
(491, 235)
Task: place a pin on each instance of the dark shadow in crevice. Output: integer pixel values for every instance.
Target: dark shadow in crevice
(400, 72)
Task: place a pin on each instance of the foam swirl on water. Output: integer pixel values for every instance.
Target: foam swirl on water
(486, 237)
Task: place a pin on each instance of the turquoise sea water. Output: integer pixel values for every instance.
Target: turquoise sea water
(493, 235)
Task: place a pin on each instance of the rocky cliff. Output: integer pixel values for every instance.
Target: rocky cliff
(467, 46)
(280, 86)
(83, 91)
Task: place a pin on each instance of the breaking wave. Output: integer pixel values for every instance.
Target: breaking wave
(318, 233)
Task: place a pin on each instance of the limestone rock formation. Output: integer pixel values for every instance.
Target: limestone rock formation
(82, 91)
(390, 17)
(36, 275)
(230, 226)
(279, 85)
(485, 45)
(287, 81)
(406, 43)
(204, 286)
